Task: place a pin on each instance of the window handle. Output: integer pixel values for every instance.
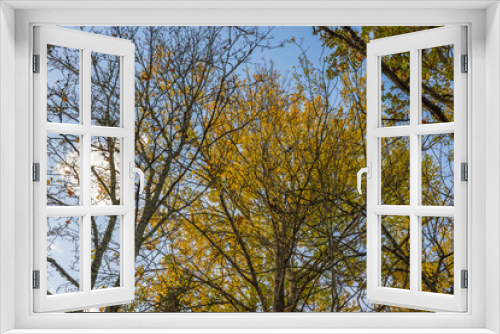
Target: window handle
(368, 171)
(134, 170)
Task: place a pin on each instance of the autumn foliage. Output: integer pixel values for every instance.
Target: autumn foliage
(250, 202)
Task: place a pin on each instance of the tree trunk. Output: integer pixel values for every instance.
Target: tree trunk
(293, 290)
(279, 278)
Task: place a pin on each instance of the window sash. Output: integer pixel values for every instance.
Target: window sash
(413, 43)
(86, 297)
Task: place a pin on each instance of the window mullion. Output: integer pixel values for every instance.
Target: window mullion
(414, 171)
(417, 153)
(86, 120)
(86, 172)
(83, 191)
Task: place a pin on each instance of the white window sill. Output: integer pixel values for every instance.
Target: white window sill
(250, 331)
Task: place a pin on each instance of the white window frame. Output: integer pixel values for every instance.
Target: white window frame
(483, 21)
(413, 43)
(86, 43)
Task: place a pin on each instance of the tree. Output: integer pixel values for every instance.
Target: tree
(250, 201)
(348, 45)
(184, 76)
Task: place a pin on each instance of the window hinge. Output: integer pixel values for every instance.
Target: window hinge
(36, 279)
(465, 64)
(36, 172)
(36, 63)
(464, 171)
(465, 279)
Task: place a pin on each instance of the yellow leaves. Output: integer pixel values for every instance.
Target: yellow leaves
(277, 154)
(266, 142)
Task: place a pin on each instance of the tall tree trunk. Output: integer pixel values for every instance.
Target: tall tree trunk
(279, 277)
(293, 290)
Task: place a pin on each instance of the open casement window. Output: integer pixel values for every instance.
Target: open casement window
(84, 158)
(416, 199)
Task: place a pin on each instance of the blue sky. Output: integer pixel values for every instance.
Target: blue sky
(286, 57)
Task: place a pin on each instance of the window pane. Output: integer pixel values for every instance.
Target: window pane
(438, 169)
(437, 254)
(63, 85)
(395, 89)
(395, 249)
(105, 169)
(105, 251)
(63, 254)
(437, 84)
(63, 169)
(105, 89)
(395, 168)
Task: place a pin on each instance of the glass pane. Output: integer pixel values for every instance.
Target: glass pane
(395, 168)
(105, 89)
(105, 251)
(437, 84)
(395, 89)
(63, 255)
(438, 169)
(395, 247)
(63, 169)
(105, 169)
(63, 85)
(437, 254)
